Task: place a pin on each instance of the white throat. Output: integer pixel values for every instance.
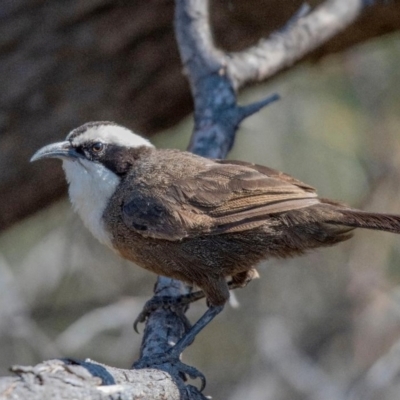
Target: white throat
(91, 186)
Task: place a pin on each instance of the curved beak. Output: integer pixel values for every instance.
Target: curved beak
(62, 150)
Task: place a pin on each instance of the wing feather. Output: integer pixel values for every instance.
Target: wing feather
(225, 196)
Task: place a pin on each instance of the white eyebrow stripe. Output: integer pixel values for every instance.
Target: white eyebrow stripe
(112, 134)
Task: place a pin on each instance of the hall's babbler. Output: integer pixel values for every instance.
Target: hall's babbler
(205, 222)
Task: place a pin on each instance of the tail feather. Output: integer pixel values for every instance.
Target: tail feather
(362, 219)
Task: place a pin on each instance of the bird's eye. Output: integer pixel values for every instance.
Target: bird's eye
(97, 147)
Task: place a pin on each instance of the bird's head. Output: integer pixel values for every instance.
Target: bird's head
(95, 157)
(95, 143)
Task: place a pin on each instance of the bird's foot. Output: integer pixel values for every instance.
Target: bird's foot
(176, 303)
(173, 303)
(172, 356)
(170, 361)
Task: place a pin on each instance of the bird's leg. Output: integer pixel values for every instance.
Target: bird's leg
(173, 303)
(188, 339)
(239, 280)
(173, 354)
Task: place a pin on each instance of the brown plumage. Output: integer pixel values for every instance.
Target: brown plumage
(202, 220)
(195, 219)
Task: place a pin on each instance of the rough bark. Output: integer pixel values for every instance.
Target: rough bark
(65, 379)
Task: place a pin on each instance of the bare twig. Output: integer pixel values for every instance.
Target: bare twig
(284, 48)
(216, 113)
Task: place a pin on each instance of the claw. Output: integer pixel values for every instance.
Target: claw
(165, 302)
(141, 318)
(174, 302)
(138, 321)
(192, 372)
(171, 356)
(171, 359)
(151, 306)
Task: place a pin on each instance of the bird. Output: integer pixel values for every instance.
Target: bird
(207, 222)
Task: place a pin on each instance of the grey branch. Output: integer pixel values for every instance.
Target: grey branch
(284, 48)
(216, 112)
(57, 379)
(216, 76)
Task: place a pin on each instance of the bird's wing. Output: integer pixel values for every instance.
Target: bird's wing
(227, 196)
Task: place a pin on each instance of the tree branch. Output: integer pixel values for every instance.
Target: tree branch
(216, 113)
(61, 379)
(282, 49)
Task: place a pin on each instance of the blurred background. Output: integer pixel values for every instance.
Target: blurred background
(323, 326)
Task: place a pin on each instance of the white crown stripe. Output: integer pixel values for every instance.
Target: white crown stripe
(113, 134)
